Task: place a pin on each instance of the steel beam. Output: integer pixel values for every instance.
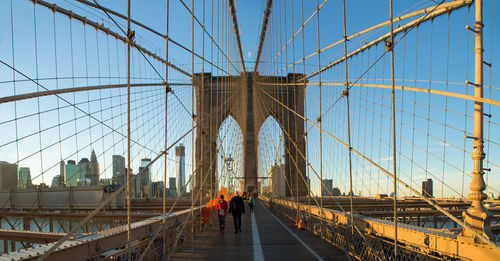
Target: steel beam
(30, 236)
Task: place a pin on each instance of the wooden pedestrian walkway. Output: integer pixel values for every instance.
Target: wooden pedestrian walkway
(270, 238)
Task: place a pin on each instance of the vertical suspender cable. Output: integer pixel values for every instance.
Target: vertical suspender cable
(167, 88)
(295, 102)
(57, 87)
(346, 93)
(320, 120)
(38, 89)
(210, 102)
(14, 76)
(192, 135)
(129, 35)
(466, 101)
(393, 108)
(414, 113)
(489, 105)
(429, 107)
(446, 106)
(203, 86)
(305, 111)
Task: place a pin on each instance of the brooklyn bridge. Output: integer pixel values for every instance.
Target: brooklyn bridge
(363, 130)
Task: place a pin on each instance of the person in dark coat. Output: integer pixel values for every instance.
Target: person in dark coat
(237, 208)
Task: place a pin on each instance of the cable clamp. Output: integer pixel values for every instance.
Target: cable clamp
(470, 29)
(193, 116)
(389, 45)
(471, 83)
(169, 90)
(130, 35)
(345, 93)
(318, 119)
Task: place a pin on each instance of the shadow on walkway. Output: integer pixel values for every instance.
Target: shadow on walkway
(277, 242)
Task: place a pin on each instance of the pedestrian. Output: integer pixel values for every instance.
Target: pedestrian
(237, 208)
(221, 208)
(251, 203)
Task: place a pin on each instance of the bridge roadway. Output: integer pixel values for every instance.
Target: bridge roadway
(270, 238)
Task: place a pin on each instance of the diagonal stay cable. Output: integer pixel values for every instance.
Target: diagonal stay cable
(450, 5)
(428, 200)
(71, 104)
(132, 42)
(350, 85)
(322, 183)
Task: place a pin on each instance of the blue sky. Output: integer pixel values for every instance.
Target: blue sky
(93, 64)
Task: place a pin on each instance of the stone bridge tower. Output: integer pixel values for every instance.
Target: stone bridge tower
(250, 99)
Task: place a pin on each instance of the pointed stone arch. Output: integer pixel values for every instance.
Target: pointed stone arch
(213, 106)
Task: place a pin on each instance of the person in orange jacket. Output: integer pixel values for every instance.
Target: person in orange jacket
(221, 208)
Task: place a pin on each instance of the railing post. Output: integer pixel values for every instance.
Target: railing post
(477, 216)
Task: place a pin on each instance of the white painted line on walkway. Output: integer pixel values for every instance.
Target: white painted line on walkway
(257, 247)
(293, 234)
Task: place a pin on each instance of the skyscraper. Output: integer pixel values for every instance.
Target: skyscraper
(8, 175)
(56, 182)
(327, 188)
(427, 188)
(93, 173)
(157, 189)
(144, 185)
(171, 183)
(172, 191)
(180, 168)
(62, 168)
(83, 170)
(71, 176)
(119, 175)
(24, 178)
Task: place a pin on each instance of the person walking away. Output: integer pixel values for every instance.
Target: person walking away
(221, 208)
(251, 203)
(237, 208)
